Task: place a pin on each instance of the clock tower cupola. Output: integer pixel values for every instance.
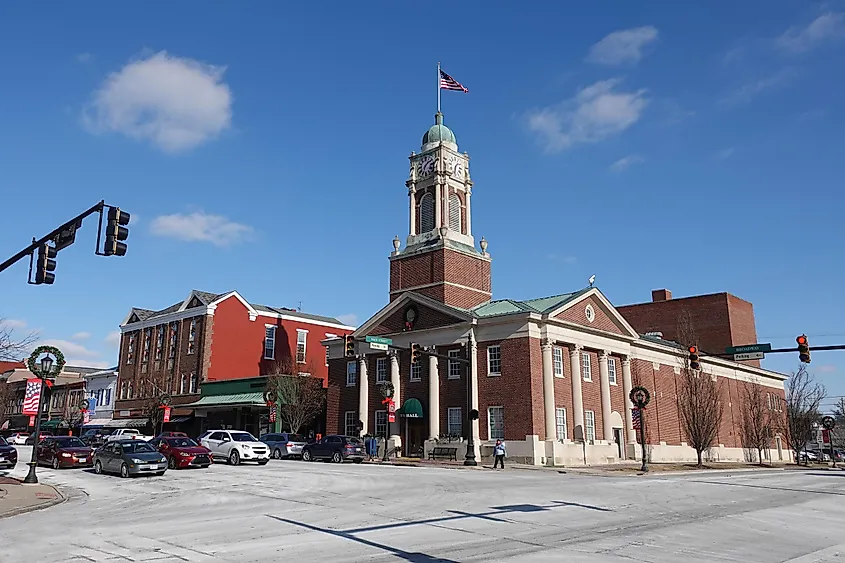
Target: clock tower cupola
(440, 259)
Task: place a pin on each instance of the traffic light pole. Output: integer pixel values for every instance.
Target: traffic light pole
(777, 350)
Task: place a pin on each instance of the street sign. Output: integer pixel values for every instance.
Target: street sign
(748, 348)
(166, 414)
(378, 340)
(749, 356)
(377, 346)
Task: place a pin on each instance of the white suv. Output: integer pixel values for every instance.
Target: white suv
(235, 446)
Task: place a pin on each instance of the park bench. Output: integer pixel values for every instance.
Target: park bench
(451, 453)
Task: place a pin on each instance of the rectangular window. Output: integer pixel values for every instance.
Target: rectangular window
(496, 421)
(301, 340)
(557, 361)
(269, 343)
(454, 421)
(159, 341)
(192, 336)
(560, 423)
(381, 423)
(590, 426)
(381, 370)
(173, 332)
(611, 370)
(586, 369)
(128, 389)
(147, 336)
(183, 380)
(329, 335)
(107, 402)
(416, 371)
(351, 374)
(494, 360)
(130, 350)
(194, 383)
(350, 423)
(454, 366)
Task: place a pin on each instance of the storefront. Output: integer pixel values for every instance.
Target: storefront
(411, 414)
(233, 405)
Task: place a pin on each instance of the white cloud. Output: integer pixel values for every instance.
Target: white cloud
(594, 114)
(200, 227)
(350, 319)
(70, 349)
(750, 90)
(800, 39)
(626, 162)
(113, 338)
(83, 57)
(90, 363)
(12, 324)
(81, 336)
(624, 46)
(827, 368)
(175, 103)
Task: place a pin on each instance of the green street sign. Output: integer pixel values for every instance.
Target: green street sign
(379, 340)
(748, 349)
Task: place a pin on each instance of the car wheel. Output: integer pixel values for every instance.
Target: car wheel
(337, 458)
(263, 462)
(306, 456)
(98, 467)
(171, 463)
(359, 460)
(234, 457)
(124, 470)
(277, 454)
(56, 463)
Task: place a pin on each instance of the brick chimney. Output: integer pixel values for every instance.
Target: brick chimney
(660, 295)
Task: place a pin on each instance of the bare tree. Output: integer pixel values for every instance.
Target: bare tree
(7, 395)
(12, 348)
(838, 434)
(755, 421)
(300, 396)
(803, 397)
(155, 392)
(699, 398)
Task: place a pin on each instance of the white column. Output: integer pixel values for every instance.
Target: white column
(473, 389)
(397, 396)
(438, 206)
(549, 391)
(433, 398)
(577, 397)
(363, 394)
(469, 213)
(413, 200)
(630, 435)
(606, 411)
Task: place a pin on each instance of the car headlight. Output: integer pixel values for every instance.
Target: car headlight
(64, 454)
(246, 446)
(184, 454)
(136, 460)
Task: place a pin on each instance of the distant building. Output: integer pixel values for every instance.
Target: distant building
(100, 389)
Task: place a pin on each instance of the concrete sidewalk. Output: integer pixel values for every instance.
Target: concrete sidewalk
(17, 498)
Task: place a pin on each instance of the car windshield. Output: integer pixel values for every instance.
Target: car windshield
(70, 442)
(356, 441)
(296, 437)
(181, 442)
(243, 437)
(3, 441)
(137, 448)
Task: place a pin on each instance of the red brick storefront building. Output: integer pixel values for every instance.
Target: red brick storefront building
(549, 375)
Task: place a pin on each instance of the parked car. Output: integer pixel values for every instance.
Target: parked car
(236, 446)
(127, 434)
(336, 448)
(64, 451)
(18, 438)
(8, 455)
(96, 437)
(41, 437)
(284, 444)
(129, 458)
(182, 452)
(169, 434)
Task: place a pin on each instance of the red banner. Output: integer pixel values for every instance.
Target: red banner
(32, 421)
(273, 415)
(166, 414)
(32, 397)
(391, 417)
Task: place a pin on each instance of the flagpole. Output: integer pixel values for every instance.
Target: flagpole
(438, 86)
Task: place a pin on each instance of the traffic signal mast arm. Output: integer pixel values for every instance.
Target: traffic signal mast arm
(775, 350)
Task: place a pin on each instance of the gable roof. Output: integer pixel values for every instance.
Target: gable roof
(404, 299)
(540, 305)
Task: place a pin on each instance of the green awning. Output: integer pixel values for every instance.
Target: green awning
(232, 400)
(55, 423)
(411, 408)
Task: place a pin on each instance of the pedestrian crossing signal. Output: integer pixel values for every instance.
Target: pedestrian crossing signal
(803, 349)
(694, 362)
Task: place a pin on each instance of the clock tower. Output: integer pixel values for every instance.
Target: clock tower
(440, 259)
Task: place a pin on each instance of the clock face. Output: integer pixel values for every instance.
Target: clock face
(426, 165)
(455, 166)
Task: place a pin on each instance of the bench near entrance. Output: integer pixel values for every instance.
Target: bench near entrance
(448, 453)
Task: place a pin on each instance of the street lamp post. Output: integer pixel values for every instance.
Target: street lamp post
(640, 397)
(472, 414)
(46, 368)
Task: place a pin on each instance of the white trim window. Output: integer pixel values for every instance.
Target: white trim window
(183, 383)
(269, 342)
(496, 423)
(351, 373)
(350, 423)
(381, 423)
(195, 383)
(329, 335)
(557, 361)
(611, 370)
(416, 371)
(301, 343)
(159, 341)
(494, 360)
(174, 331)
(381, 370)
(147, 337)
(586, 367)
(455, 212)
(130, 349)
(560, 423)
(454, 421)
(454, 365)
(192, 336)
(590, 426)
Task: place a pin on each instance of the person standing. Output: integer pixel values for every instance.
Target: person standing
(499, 453)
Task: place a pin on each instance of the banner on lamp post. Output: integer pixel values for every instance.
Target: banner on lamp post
(166, 414)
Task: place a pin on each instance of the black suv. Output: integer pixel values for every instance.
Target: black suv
(96, 437)
(336, 448)
(8, 455)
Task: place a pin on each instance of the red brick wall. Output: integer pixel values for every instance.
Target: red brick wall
(453, 392)
(443, 265)
(515, 389)
(617, 395)
(591, 392)
(339, 397)
(563, 392)
(602, 321)
(426, 318)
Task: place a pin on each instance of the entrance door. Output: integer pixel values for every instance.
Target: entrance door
(414, 430)
(617, 437)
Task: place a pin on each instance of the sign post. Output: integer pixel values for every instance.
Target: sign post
(378, 343)
(640, 397)
(829, 423)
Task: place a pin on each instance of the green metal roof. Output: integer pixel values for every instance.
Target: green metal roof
(438, 132)
(540, 305)
(233, 399)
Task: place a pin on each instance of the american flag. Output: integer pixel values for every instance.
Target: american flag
(33, 394)
(635, 415)
(449, 83)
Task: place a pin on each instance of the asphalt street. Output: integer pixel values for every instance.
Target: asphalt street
(297, 511)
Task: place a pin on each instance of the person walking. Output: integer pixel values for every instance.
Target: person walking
(499, 453)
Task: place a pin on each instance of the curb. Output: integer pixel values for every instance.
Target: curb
(41, 506)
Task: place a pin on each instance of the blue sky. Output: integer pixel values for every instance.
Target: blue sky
(690, 146)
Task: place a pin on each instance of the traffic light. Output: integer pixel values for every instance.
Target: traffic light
(693, 358)
(803, 349)
(45, 264)
(116, 232)
(349, 345)
(416, 352)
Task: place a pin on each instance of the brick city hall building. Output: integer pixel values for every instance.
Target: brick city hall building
(550, 376)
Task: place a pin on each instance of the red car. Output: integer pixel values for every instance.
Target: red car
(182, 452)
(64, 451)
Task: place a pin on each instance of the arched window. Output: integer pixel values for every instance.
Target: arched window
(455, 213)
(426, 213)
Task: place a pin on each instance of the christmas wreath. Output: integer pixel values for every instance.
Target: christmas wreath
(32, 365)
(387, 389)
(639, 396)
